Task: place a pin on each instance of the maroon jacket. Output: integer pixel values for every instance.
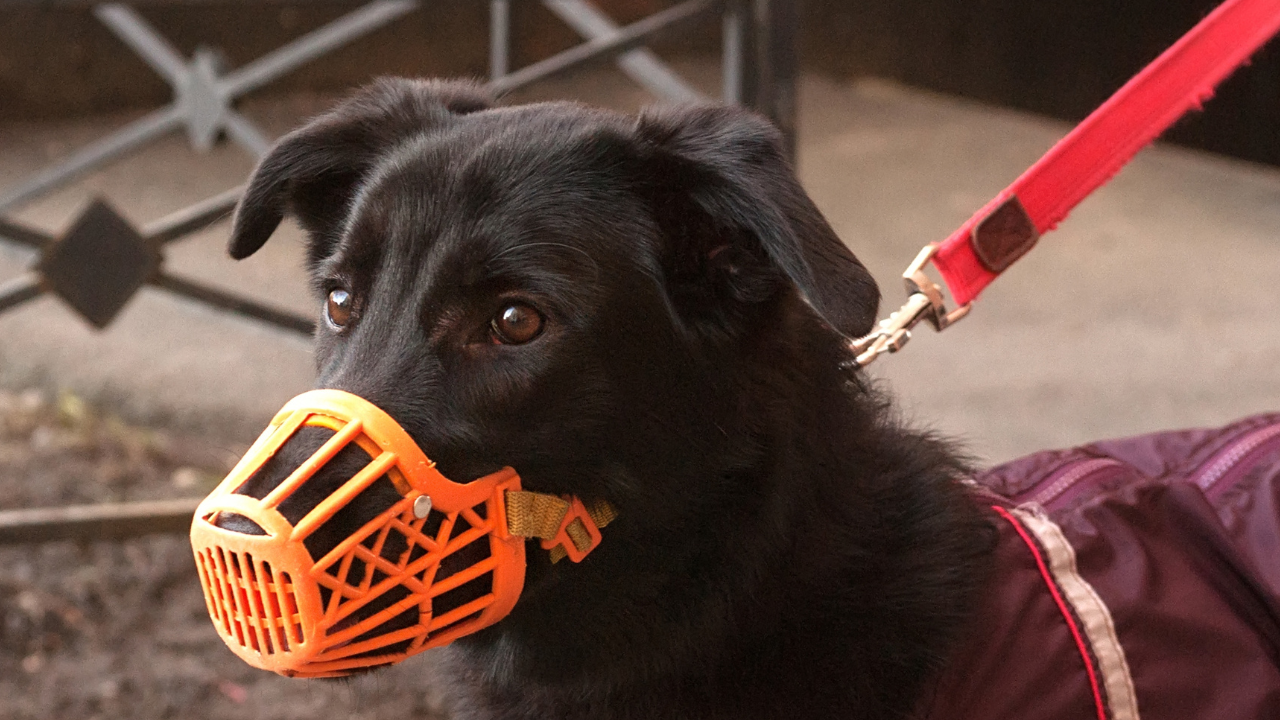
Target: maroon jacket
(1136, 578)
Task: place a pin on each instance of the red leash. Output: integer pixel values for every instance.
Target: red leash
(1180, 80)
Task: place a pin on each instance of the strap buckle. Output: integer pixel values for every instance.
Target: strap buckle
(578, 534)
(924, 302)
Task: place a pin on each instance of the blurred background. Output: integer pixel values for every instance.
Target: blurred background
(137, 361)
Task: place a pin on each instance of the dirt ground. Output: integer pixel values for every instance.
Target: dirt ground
(120, 629)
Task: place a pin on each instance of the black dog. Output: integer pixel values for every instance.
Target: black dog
(649, 311)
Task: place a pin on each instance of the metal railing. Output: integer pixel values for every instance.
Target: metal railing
(101, 262)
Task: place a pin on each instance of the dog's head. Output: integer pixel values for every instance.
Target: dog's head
(586, 297)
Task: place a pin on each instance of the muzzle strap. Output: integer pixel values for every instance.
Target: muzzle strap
(567, 527)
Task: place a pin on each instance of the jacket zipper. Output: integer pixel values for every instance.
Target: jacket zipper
(1230, 458)
(1069, 476)
(1225, 462)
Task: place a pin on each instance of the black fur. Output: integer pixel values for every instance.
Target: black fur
(784, 549)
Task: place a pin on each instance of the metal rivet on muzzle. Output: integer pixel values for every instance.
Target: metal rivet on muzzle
(422, 506)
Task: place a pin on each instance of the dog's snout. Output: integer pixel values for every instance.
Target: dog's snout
(295, 451)
(237, 523)
(324, 481)
(274, 471)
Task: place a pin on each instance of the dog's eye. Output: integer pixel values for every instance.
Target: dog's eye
(516, 324)
(338, 308)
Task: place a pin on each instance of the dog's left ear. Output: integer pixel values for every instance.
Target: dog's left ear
(724, 188)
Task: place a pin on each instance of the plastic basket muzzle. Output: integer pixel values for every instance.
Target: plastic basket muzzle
(282, 610)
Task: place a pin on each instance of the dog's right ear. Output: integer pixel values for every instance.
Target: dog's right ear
(736, 217)
(314, 170)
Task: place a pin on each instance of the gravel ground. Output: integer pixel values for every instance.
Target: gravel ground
(119, 629)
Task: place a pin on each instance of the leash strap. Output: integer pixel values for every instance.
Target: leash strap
(1180, 80)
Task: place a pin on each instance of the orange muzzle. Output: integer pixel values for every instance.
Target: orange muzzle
(444, 560)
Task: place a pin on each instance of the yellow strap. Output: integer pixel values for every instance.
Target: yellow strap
(531, 514)
(534, 514)
(601, 512)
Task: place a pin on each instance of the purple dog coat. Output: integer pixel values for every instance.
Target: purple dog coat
(1135, 578)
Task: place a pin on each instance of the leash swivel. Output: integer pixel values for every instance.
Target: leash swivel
(924, 303)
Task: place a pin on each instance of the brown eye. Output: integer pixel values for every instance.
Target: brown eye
(516, 324)
(339, 307)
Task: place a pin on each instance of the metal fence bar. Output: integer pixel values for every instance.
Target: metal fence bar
(759, 71)
(20, 290)
(191, 219)
(233, 303)
(140, 35)
(626, 38)
(640, 65)
(105, 521)
(201, 113)
(313, 45)
(22, 235)
(239, 129)
(733, 31)
(776, 25)
(759, 59)
(499, 38)
(122, 141)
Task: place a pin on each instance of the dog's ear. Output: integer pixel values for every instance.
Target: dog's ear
(728, 199)
(313, 171)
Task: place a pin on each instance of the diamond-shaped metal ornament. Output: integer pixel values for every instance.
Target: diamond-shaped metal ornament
(98, 265)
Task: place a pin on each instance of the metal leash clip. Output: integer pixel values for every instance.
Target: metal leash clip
(924, 302)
